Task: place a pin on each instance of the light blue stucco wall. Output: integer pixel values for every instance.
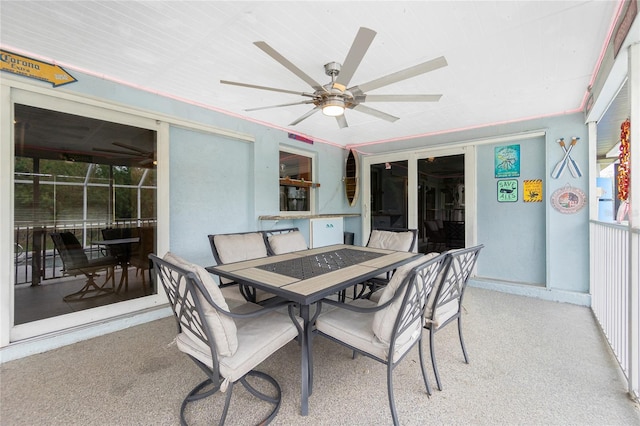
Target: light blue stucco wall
(567, 234)
(211, 191)
(529, 249)
(533, 243)
(513, 232)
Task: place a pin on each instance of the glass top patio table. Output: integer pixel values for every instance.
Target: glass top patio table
(307, 276)
(123, 258)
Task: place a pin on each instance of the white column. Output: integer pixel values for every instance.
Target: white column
(6, 216)
(634, 219)
(594, 172)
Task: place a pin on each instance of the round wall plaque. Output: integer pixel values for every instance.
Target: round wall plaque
(568, 200)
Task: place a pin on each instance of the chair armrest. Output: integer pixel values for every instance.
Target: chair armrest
(361, 309)
(256, 313)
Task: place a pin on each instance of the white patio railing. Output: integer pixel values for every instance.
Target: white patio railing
(613, 301)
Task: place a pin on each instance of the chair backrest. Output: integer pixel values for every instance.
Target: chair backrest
(120, 251)
(445, 300)
(402, 239)
(432, 225)
(145, 246)
(400, 322)
(70, 249)
(280, 241)
(196, 302)
(229, 248)
(116, 233)
(435, 228)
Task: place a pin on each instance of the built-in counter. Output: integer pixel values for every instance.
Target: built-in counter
(318, 229)
(307, 216)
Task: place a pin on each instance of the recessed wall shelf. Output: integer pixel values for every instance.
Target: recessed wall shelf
(298, 183)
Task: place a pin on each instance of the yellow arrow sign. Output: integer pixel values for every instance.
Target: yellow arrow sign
(33, 68)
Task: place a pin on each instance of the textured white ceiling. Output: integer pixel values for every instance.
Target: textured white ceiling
(508, 60)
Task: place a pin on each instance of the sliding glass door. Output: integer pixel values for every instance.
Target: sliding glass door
(389, 192)
(81, 178)
(425, 190)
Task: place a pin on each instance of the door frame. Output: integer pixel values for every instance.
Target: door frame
(27, 94)
(412, 158)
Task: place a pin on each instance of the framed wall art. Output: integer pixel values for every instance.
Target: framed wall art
(507, 161)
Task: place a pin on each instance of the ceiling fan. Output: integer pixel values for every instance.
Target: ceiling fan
(333, 98)
(132, 151)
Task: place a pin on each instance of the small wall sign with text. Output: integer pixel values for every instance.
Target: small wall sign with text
(532, 191)
(507, 161)
(508, 191)
(32, 68)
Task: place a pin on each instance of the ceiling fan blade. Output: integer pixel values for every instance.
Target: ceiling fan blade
(357, 51)
(281, 105)
(288, 65)
(400, 98)
(305, 115)
(375, 113)
(342, 121)
(115, 151)
(273, 89)
(401, 75)
(54, 123)
(131, 147)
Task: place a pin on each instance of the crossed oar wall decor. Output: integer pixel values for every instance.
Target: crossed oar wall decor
(567, 161)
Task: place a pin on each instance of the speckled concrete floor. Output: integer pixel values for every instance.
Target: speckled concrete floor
(532, 362)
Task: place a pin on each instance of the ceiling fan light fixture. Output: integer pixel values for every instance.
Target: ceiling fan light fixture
(333, 106)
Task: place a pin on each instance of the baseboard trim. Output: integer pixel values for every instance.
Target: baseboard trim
(555, 295)
(47, 342)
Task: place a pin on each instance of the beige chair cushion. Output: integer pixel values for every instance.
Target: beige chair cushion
(239, 247)
(356, 329)
(444, 312)
(375, 296)
(390, 240)
(287, 242)
(400, 241)
(384, 320)
(369, 332)
(222, 327)
(258, 338)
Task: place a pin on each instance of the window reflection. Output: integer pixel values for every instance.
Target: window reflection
(295, 181)
(80, 175)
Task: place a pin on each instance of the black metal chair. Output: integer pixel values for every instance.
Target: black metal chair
(122, 252)
(140, 252)
(445, 300)
(436, 237)
(386, 331)
(76, 262)
(226, 351)
(454, 234)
